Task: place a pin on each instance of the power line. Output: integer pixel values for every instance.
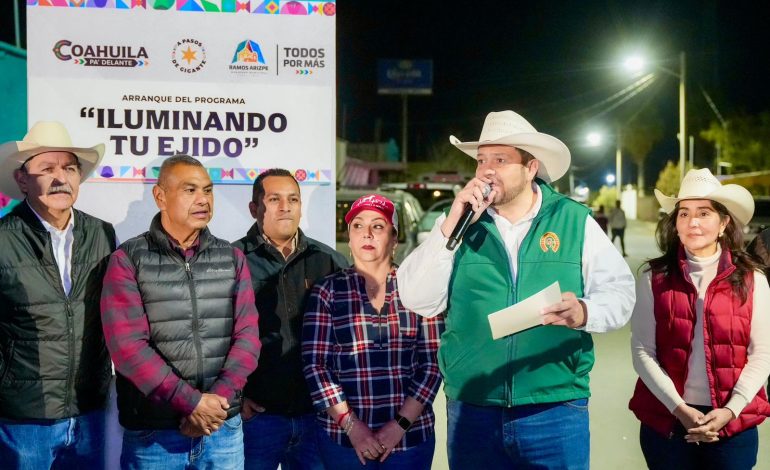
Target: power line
(620, 97)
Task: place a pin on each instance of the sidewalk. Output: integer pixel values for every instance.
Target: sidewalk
(614, 429)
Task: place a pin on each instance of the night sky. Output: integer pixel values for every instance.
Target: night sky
(553, 62)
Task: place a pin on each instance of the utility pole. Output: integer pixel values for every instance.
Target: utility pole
(16, 23)
(404, 127)
(682, 114)
(618, 164)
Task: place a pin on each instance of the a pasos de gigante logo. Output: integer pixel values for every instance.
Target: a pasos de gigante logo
(304, 60)
(101, 55)
(188, 55)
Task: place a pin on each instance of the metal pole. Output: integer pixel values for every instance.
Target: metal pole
(692, 151)
(682, 114)
(618, 166)
(719, 159)
(404, 113)
(16, 23)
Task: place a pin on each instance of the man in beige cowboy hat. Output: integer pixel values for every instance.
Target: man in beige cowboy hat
(53, 360)
(521, 400)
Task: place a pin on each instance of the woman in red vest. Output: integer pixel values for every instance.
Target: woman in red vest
(700, 347)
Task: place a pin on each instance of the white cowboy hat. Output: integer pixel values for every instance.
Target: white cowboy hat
(44, 136)
(509, 128)
(701, 184)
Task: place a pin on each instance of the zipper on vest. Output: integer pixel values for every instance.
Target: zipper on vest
(510, 384)
(57, 281)
(707, 327)
(195, 332)
(692, 332)
(70, 327)
(70, 359)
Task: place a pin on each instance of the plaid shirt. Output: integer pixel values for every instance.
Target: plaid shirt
(127, 333)
(374, 361)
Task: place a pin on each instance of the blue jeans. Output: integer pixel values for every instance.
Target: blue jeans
(62, 443)
(170, 450)
(738, 452)
(549, 435)
(270, 440)
(340, 457)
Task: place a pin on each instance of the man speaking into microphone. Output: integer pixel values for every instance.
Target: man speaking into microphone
(521, 400)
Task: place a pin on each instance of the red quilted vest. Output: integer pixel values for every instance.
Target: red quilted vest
(727, 324)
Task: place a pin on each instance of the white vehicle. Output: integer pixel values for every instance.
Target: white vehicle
(429, 219)
(426, 192)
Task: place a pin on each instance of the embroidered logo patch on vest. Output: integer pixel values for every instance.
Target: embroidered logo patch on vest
(549, 240)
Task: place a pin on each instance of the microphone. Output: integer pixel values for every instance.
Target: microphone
(465, 221)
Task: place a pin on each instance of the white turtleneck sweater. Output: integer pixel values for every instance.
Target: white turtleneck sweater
(696, 389)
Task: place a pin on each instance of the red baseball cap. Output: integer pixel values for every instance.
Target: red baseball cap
(374, 202)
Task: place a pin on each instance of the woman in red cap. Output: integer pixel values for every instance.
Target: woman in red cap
(371, 363)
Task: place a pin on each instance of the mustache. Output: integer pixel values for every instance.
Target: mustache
(62, 188)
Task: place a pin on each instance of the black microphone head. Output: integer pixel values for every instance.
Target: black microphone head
(465, 221)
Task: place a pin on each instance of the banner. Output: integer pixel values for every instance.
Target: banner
(242, 86)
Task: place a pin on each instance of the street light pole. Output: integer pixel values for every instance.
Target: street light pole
(635, 64)
(404, 127)
(17, 28)
(618, 165)
(682, 115)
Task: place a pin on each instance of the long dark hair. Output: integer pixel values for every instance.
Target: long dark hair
(732, 241)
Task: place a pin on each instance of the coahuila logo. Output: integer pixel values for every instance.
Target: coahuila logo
(248, 58)
(304, 60)
(100, 55)
(189, 55)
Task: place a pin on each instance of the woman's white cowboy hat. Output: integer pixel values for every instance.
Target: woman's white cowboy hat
(44, 136)
(701, 184)
(509, 128)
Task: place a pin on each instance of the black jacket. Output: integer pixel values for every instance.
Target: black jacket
(189, 306)
(281, 288)
(760, 246)
(53, 360)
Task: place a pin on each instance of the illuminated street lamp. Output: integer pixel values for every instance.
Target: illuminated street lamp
(634, 64)
(595, 139)
(637, 64)
(610, 178)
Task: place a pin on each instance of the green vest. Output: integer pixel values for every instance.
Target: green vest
(540, 365)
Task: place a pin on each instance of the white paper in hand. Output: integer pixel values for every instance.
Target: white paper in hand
(525, 314)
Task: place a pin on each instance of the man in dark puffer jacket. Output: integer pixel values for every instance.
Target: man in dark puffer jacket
(280, 425)
(54, 366)
(180, 322)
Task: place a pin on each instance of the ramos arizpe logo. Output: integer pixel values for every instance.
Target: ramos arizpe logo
(248, 58)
